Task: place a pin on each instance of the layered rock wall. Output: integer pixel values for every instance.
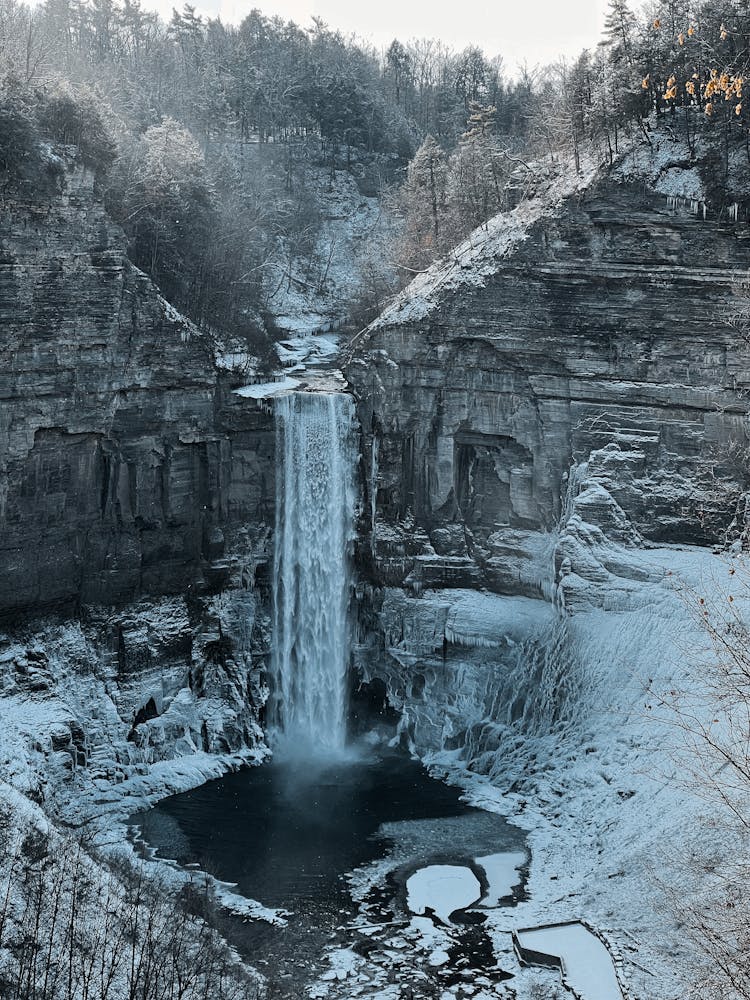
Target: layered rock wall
(129, 472)
(601, 338)
(124, 463)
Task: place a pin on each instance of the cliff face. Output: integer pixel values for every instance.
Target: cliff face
(128, 472)
(123, 463)
(596, 336)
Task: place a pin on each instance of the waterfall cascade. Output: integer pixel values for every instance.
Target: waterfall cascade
(316, 456)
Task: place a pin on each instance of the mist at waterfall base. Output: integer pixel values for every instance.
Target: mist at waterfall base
(316, 459)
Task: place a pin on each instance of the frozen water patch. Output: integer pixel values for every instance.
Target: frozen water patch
(248, 909)
(503, 875)
(308, 349)
(442, 889)
(586, 965)
(428, 938)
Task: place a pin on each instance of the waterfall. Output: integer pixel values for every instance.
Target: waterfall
(316, 455)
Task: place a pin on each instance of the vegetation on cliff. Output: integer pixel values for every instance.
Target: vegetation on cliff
(213, 140)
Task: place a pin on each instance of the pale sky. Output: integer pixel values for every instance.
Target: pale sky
(537, 32)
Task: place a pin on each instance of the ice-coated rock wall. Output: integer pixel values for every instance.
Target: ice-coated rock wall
(136, 514)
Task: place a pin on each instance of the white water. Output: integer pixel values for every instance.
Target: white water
(316, 456)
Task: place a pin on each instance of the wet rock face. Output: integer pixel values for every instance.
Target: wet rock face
(601, 339)
(126, 468)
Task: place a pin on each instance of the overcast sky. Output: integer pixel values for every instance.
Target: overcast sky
(537, 32)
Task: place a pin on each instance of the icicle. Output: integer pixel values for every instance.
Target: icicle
(733, 212)
(704, 211)
(373, 490)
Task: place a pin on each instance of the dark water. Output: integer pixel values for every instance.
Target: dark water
(288, 833)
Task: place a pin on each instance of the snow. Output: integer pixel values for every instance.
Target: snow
(586, 964)
(502, 871)
(427, 937)
(250, 909)
(481, 620)
(308, 349)
(312, 293)
(343, 963)
(265, 390)
(442, 889)
(475, 260)
(661, 162)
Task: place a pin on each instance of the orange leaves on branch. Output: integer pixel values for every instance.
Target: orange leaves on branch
(645, 81)
(681, 38)
(709, 109)
(723, 33)
(691, 31)
(657, 23)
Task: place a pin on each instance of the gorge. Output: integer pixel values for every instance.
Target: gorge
(487, 539)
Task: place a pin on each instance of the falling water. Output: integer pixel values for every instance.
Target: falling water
(316, 455)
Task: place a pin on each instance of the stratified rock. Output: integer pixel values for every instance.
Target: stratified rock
(591, 330)
(124, 462)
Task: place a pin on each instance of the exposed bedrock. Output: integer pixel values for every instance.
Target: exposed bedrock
(136, 511)
(124, 462)
(601, 340)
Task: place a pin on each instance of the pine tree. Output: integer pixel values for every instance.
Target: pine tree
(427, 180)
(619, 31)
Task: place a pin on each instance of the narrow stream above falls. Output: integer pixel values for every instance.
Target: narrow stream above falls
(334, 842)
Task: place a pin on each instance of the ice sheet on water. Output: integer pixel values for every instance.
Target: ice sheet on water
(442, 889)
(265, 390)
(502, 871)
